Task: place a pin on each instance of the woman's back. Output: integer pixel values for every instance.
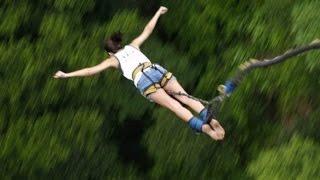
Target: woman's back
(130, 58)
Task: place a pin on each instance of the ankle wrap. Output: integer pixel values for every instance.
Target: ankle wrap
(203, 114)
(195, 124)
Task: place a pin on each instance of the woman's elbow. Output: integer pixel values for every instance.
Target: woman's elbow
(148, 30)
(89, 72)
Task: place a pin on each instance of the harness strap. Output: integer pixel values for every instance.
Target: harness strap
(151, 89)
(154, 86)
(165, 79)
(140, 68)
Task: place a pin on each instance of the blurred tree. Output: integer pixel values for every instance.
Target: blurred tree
(299, 159)
(101, 128)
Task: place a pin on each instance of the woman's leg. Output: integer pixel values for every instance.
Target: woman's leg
(174, 86)
(163, 99)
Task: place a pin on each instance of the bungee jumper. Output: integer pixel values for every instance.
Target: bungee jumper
(152, 80)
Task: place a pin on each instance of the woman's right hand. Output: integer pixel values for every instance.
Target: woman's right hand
(60, 74)
(162, 10)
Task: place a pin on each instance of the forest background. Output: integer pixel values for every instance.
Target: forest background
(100, 127)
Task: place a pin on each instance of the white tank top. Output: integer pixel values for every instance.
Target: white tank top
(129, 59)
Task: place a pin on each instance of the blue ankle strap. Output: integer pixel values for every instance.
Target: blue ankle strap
(203, 114)
(195, 124)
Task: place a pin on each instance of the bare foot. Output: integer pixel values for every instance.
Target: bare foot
(217, 127)
(214, 134)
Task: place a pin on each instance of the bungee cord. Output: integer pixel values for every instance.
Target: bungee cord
(228, 88)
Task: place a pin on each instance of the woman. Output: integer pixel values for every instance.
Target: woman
(152, 80)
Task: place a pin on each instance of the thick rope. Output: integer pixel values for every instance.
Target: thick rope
(189, 96)
(245, 68)
(252, 64)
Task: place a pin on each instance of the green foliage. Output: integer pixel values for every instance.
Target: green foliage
(299, 159)
(305, 27)
(75, 5)
(100, 127)
(13, 15)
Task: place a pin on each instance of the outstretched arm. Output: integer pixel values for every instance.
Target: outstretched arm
(148, 28)
(110, 62)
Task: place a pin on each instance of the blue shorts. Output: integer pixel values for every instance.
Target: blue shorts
(150, 76)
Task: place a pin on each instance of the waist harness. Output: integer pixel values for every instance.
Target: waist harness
(166, 76)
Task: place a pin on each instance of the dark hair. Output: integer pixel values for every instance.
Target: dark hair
(113, 44)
